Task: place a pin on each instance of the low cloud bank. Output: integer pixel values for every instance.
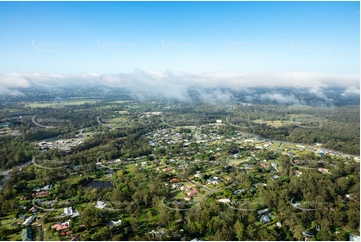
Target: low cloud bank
(208, 87)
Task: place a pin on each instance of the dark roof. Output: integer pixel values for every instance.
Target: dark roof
(27, 234)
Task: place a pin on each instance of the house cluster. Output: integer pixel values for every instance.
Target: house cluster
(149, 114)
(190, 191)
(42, 192)
(264, 215)
(62, 144)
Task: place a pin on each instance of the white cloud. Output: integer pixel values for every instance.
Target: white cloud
(279, 98)
(175, 85)
(351, 91)
(318, 93)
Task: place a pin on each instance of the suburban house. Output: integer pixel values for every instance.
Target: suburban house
(323, 170)
(321, 153)
(115, 223)
(42, 194)
(70, 212)
(61, 226)
(66, 233)
(298, 173)
(174, 180)
(192, 193)
(262, 211)
(29, 220)
(214, 181)
(101, 204)
(176, 185)
(238, 192)
(27, 234)
(47, 187)
(308, 234)
(33, 209)
(224, 200)
(265, 219)
(167, 169)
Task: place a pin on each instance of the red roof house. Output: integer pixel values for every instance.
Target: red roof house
(60, 226)
(192, 193)
(167, 169)
(174, 180)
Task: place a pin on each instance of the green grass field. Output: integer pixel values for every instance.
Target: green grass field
(131, 169)
(276, 123)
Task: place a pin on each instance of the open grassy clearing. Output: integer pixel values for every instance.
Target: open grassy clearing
(131, 169)
(276, 123)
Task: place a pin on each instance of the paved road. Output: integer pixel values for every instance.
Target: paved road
(41, 232)
(6, 174)
(40, 227)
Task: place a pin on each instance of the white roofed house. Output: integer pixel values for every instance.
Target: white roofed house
(224, 200)
(265, 219)
(69, 211)
(101, 204)
(115, 223)
(29, 220)
(47, 187)
(214, 180)
(262, 211)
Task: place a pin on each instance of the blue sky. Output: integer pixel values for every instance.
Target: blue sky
(191, 37)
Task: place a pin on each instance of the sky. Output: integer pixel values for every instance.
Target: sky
(259, 42)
